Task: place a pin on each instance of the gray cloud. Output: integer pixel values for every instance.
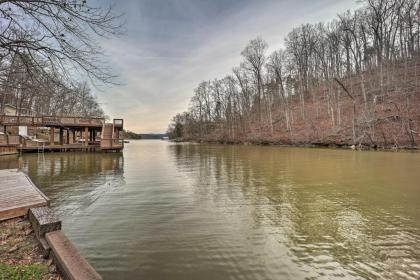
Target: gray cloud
(172, 45)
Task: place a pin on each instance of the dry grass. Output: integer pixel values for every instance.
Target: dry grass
(20, 256)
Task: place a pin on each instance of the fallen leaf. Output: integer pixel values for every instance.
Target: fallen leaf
(13, 249)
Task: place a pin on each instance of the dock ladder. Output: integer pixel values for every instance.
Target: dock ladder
(41, 149)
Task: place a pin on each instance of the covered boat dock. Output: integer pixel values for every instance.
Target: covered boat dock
(55, 133)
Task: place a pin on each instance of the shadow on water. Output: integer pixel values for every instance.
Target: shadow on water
(73, 181)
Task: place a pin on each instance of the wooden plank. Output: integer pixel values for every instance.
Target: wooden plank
(20, 211)
(57, 121)
(80, 147)
(18, 194)
(43, 220)
(68, 259)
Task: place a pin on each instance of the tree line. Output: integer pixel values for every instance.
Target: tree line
(50, 55)
(353, 80)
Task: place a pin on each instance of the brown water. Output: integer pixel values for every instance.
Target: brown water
(185, 211)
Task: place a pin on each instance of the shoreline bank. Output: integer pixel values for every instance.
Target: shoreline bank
(344, 146)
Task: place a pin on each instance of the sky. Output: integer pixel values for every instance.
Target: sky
(170, 46)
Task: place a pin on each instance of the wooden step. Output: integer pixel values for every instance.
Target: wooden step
(43, 220)
(68, 259)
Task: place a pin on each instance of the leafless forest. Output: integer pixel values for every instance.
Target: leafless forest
(50, 55)
(351, 81)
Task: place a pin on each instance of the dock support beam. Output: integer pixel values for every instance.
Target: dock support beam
(52, 132)
(70, 139)
(86, 136)
(61, 136)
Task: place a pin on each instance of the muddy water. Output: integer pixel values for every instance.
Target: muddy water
(185, 211)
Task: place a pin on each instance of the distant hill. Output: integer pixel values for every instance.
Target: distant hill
(153, 136)
(133, 135)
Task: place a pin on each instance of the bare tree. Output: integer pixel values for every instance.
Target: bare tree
(62, 33)
(254, 55)
(353, 80)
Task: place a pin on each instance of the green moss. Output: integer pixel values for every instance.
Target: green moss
(23, 272)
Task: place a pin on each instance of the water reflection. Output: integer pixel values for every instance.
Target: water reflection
(188, 211)
(334, 214)
(9, 162)
(74, 181)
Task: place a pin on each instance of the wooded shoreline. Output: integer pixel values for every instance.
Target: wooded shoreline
(351, 81)
(302, 145)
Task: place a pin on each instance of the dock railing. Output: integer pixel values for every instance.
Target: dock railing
(10, 140)
(51, 121)
(3, 140)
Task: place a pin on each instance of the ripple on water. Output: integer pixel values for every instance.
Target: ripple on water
(169, 211)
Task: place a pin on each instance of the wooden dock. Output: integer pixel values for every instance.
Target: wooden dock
(60, 148)
(58, 133)
(18, 194)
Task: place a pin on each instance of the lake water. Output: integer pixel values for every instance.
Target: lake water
(187, 211)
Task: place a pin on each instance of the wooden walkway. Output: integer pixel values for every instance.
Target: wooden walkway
(18, 194)
(60, 148)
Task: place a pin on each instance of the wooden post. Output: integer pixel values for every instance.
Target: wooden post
(61, 136)
(86, 136)
(68, 136)
(52, 132)
(74, 136)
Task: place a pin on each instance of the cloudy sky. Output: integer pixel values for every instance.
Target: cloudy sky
(171, 45)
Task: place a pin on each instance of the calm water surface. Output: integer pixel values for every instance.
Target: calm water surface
(186, 211)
